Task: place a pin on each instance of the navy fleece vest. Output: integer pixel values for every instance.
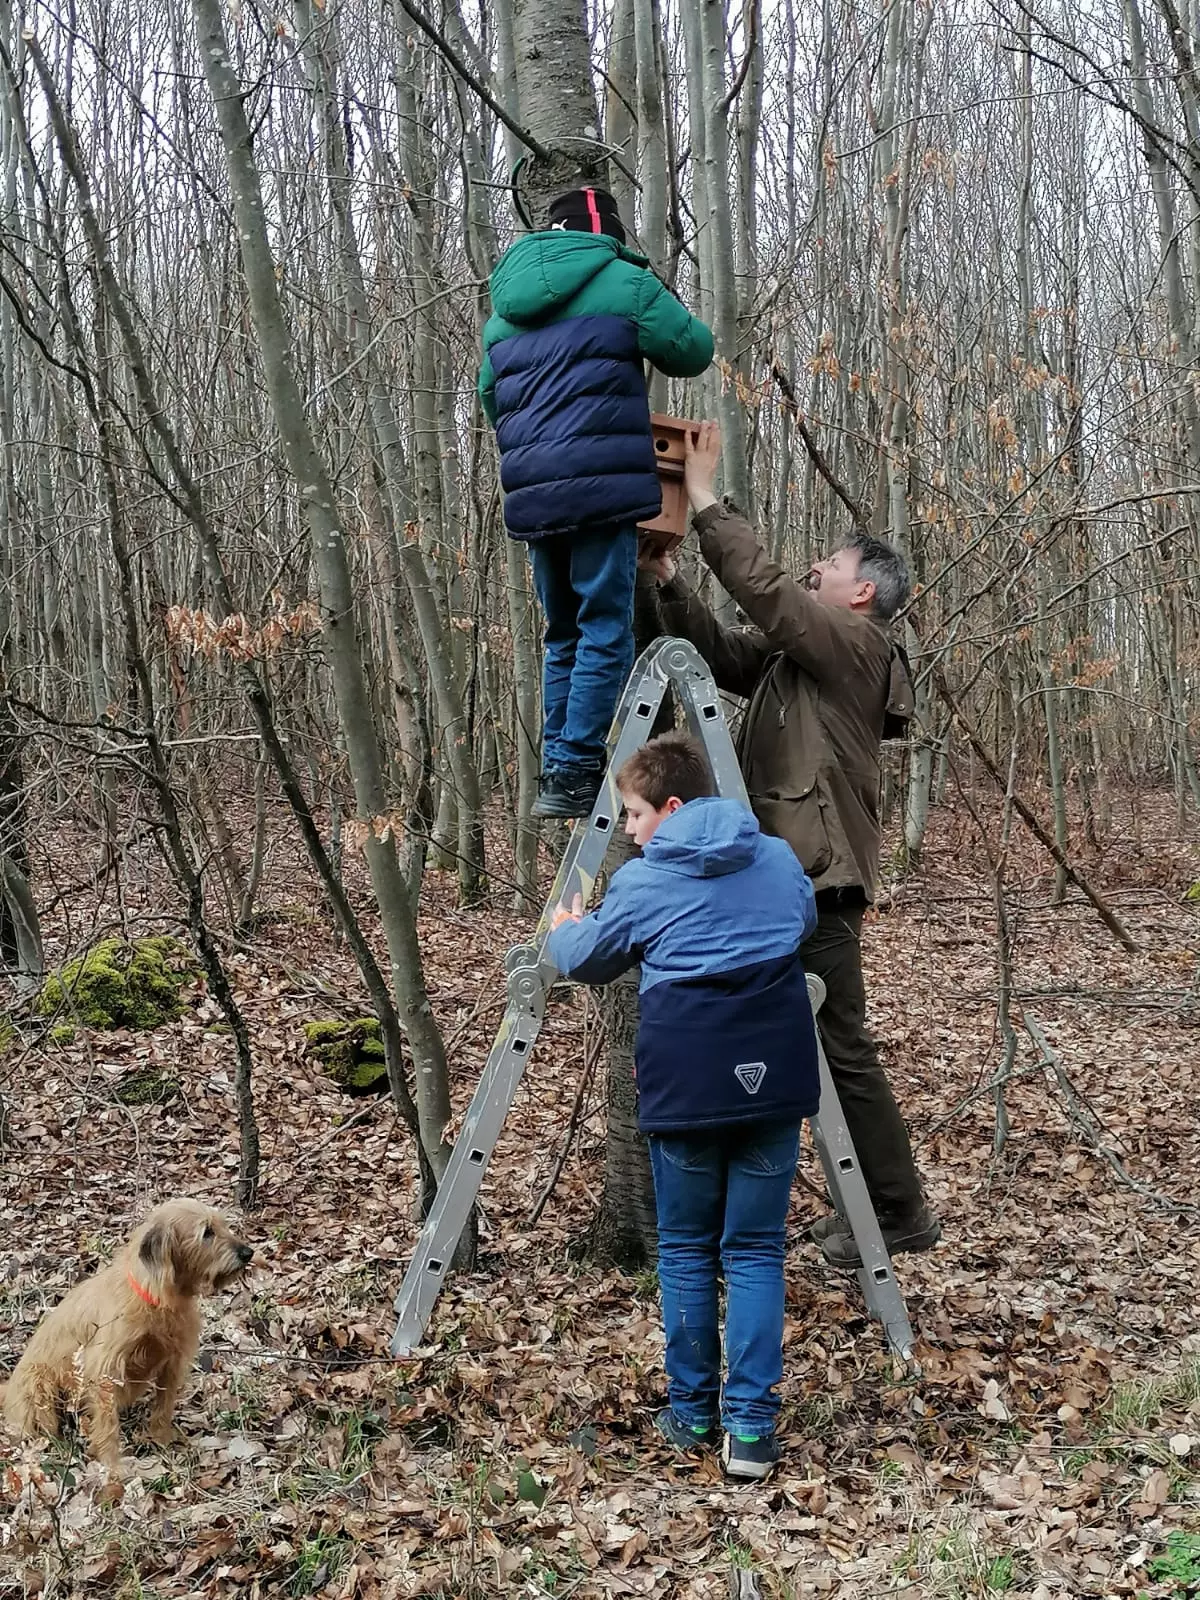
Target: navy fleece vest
(732, 1047)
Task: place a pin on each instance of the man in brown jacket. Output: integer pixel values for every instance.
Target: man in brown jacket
(819, 673)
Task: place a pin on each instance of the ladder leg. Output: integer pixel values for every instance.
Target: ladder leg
(848, 1190)
(529, 978)
(587, 847)
(706, 719)
(472, 1151)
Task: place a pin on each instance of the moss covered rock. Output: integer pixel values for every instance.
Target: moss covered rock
(62, 1034)
(351, 1053)
(121, 985)
(147, 1086)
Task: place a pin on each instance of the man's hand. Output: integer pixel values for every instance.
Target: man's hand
(562, 914)
(701, 453)
(658, 562)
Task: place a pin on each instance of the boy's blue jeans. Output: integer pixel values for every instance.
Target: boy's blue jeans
(585, 582)
(722, 1202)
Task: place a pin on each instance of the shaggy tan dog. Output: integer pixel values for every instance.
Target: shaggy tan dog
(129, 1332)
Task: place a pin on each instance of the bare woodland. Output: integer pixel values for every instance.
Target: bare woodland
(264, 645)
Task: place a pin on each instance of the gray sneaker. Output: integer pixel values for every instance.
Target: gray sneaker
(681, 1435)
(751, 1459)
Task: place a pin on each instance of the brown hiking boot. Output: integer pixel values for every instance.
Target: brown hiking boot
(921, 1230)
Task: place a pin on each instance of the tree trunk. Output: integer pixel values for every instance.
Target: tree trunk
(521, 611)
(709, 17)
(20, 930)
(412, 560)
(558, 103)
(620, 119)
(652, 165)
(624, 1231)
(337, 593)
(192, 501)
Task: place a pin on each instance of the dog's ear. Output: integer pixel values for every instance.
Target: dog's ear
(153, 1248)
(156, 1255)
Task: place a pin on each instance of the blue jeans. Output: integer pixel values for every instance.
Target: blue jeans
(722, 1202)
(585, 583)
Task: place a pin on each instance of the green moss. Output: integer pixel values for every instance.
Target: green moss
(1181, 1563)
(8, 1034)
(351, 1053)
(62, 1033)
(145, 1087)
(120, 985)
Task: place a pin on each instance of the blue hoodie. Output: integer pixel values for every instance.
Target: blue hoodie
(715, 911)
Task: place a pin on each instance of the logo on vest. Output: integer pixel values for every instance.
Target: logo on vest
(750, 1075)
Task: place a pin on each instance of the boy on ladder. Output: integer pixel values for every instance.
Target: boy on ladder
(727, 1069)
(575, 315)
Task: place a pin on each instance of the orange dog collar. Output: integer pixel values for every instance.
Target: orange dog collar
(142, 1294)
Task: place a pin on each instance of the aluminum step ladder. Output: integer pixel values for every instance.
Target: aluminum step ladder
(531, 973)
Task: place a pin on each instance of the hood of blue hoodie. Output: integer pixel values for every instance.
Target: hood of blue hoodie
(543, 271)
(705, 839)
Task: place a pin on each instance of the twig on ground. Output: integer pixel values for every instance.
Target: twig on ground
(1085, 1122)
(355, 1121)
(817, 1190)
(489, 999)
(989, 1086)
(585, 1077)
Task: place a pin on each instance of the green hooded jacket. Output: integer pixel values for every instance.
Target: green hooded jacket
(547, 277)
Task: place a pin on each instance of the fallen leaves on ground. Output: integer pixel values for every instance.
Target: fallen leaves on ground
(1048, 1444)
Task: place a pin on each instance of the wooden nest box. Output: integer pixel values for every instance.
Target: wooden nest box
(665, 534)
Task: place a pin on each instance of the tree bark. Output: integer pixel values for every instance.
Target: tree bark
(558, 103)
(624, 1231)
(337, 594)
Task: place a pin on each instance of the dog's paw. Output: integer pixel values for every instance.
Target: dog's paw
(164, 1434)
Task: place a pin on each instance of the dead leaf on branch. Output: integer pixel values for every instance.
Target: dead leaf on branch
(235, 636)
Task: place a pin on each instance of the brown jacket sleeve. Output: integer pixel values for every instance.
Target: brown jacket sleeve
(826, 642)
(734, 658)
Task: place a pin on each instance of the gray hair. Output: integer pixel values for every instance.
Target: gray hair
(882, 564)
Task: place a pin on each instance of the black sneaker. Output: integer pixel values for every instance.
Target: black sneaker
(566, 793)
(749, 1458)
(921, 1230)
(681, 1434)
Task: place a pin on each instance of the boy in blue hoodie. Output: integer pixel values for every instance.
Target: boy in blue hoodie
(575, 315)
(726, 1061)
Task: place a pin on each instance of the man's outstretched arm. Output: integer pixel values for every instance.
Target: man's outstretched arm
(826, 642)
(734, 658)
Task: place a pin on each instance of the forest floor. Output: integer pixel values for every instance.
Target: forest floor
(1050, 1444)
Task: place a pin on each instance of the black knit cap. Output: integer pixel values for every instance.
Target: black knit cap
(587, 211)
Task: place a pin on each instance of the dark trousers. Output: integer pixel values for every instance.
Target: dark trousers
(834, 953)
